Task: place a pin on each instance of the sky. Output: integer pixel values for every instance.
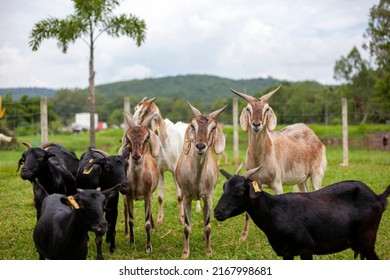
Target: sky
(238, 39)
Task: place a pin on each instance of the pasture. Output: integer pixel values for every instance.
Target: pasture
(18, 217)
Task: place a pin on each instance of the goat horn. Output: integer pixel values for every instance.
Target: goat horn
(243, 95)
(217, 112)
(46, 145)
(195, 111)
(251, 172)
(269, 95)
(28, 145)
(129, 119)
(152, 99)
(103, 153)
(238, 169)
(143, 99)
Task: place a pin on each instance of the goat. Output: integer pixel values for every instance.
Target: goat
(337, 217)
(62, 230)
(49, 168)
(172, 139)
(99, 169)
(290, 156)
(142, 174)
(197, 170)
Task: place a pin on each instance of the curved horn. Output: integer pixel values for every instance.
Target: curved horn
(217, 112)
(238, 169)
(243, 95)
(251, 172)
(143, 99)
(195, 111)
(28, 145)
(46, 145)
(103, 153)
(269, 95)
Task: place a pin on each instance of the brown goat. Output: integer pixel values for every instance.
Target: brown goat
(197, 170)
(142, 174)
(288, 157)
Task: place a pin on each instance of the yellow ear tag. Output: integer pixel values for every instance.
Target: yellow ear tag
(186, 144)
(256, 187)
(158, 129)
(87, 171)
(73, 202)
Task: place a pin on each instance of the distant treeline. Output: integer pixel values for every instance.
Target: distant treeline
(308, 102)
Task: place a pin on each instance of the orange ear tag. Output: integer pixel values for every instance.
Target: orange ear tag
(73, 202)
(256, 187)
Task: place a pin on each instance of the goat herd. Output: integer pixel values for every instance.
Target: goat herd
(71, 195)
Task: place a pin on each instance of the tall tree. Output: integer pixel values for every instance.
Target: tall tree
(378, 34)
(90, 19)
(360, 81)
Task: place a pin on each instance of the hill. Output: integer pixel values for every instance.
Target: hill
(194, 88)
(17, 93)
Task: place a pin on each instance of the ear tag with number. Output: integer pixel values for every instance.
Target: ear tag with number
(256, 187)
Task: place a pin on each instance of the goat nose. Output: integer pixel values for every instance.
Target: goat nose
(256, 124)
(201, 146)
(136, 157)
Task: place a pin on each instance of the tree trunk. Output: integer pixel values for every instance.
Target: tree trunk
(91, 98)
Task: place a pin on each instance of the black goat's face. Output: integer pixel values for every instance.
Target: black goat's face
(33, 161)
(234, 199)
(89, 206)
(115, 171)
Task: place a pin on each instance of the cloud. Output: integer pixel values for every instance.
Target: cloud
(296, 40)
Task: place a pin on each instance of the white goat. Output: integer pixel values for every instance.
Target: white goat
(290, 156)
(172, 139)
(197, 170)
(142, 173)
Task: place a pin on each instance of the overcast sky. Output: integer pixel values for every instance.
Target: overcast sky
(293, 40)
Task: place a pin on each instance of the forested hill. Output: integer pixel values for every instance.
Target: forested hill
(202, 88)
(188, 87)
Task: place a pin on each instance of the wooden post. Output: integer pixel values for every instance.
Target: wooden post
(44, 128)
(126, 109)
(235, 131)
(345, 131)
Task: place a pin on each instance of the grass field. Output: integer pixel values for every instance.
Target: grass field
(17, 214)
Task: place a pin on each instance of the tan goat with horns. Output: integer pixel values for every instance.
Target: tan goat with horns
(288, 157)
(197, 170)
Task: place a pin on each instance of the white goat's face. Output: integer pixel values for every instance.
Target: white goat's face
(144, 110)
(256, 115)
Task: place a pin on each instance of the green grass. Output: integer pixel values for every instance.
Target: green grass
(17, 214)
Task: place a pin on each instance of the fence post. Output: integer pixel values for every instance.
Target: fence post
(235, 130)
(345, 131)
(44, 128)
(126, 109)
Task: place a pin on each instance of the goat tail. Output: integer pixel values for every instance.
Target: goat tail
(384, 195)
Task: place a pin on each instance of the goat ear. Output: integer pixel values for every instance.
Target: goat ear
(272, 120)
(254, 190)
(219, 141)
(244, 120)
(111, 192)
(187, 140)
(155, 143)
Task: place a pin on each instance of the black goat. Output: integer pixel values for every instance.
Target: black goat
(99, 169)
(62, 230)
(50, 168)
(340, 216)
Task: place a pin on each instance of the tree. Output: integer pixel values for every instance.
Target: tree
(91, 19)
(378, 32)
(360, 79)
